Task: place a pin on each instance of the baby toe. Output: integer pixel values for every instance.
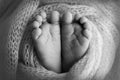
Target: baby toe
(77, 17)
(54, 18)
(87, 34)
(39, 19)
(83, 20)
(36, 33)
(44, 16)
(87, 25)
(36, 24)
(67, 18)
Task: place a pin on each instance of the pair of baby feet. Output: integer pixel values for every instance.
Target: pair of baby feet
(60, 41)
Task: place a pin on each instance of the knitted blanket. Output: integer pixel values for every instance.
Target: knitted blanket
(19, 59)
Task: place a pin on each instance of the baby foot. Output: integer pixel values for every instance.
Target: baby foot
(46, 36)
(75, 37)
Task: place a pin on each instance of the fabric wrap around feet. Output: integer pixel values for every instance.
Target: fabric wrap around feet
(22, 60)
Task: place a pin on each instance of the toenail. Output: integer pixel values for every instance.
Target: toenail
(55, 16)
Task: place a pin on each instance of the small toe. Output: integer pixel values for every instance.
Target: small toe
(43, 15)
(36, 33)
(39, 19)
(77, 17)
(54, 18)
(36, 24)
(67, 18)
(87, 26)
(83, 20)
(87, 34)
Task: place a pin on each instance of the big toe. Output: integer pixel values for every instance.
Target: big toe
(54, 17)
(67, 26)
(67, 18)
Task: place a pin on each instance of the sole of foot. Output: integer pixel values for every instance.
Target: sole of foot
(75, 36)
(46, 36)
